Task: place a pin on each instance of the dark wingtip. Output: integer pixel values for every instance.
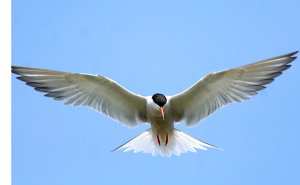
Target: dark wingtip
(295, 52)
(14, 70)
(292, 53)
(292, 56)
(21, 78)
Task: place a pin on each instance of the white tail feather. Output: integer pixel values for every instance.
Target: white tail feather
(178, 143)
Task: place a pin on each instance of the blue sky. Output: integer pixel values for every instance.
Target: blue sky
(149, 47)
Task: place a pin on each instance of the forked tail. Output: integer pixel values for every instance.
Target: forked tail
(178, 143)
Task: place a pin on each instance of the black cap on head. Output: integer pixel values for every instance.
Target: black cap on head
(159, 99)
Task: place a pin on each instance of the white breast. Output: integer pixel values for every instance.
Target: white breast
(159, 125)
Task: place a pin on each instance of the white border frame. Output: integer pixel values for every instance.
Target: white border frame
(5, 92)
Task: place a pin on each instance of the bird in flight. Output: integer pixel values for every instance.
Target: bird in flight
(210, 93)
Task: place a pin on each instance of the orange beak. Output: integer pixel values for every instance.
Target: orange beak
(162, 112)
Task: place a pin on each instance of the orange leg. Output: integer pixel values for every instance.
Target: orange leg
(158, 140)
(166, 140)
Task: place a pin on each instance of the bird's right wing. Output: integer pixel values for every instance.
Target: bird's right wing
(95, 91)
(221, 88)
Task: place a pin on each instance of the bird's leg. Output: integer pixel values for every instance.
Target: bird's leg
(166, 141)
(158, 140)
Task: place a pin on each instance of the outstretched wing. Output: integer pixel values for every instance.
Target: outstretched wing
(95, 91)
(218, 89)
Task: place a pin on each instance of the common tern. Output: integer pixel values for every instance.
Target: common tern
(210, 93)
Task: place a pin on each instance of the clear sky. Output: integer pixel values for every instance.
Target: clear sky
(149, 47)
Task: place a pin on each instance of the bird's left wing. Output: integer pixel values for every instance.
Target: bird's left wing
(218, 89)
(95, 91)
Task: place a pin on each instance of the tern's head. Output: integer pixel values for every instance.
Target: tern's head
(160, 100)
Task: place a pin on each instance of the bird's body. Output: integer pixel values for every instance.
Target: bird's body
(191, 106)
(163, 128)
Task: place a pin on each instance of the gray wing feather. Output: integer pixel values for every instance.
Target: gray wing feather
(94, 91)
(221, 88)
